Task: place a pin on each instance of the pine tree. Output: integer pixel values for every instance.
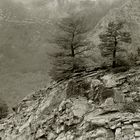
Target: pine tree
(72, 43)
(111, 40)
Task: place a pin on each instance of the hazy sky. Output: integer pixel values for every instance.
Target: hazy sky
(30, 1)
(23, 1)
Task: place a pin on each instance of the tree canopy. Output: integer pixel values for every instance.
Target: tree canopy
(111, 40)
(72, 41)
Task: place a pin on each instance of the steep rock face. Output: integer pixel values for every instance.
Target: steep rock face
(67, 110)
(130, 13)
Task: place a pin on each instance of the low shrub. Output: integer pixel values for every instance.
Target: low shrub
(120, 69)
(122, 62)
(107, 93)
(76, 88)
(131, 107)
(133, 58)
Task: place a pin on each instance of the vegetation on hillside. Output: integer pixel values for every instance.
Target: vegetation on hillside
(72, 41)
(3, 109)
(25, 28)
(111, 41)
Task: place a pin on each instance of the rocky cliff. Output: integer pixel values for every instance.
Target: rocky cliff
(89, 106)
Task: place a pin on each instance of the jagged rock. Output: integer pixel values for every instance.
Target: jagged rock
(109, 80)
(108, 102)
(137, 133)
(136, 126)
(95, 83)
(80, 107)
(49, 114)
(51, 136)
(118, 133)
(39, 133)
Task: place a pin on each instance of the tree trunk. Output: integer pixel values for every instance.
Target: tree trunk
(114, 54)
(72, 53)
(114, 59)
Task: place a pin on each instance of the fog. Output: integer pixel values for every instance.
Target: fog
(26, 26)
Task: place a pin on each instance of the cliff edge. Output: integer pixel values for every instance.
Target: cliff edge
(98, 105)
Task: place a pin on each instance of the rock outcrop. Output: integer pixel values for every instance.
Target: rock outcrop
(93, 111)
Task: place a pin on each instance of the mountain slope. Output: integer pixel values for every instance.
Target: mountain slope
(60, 113)
(23, 40)
(128, 12)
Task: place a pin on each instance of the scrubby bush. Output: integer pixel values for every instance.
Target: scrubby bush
(133, 58)
(120, 69)
(122, 65)
(107, 93)
(3, 109)
(101, 93)
(131, 107)
(76, 88)
(104, 65)
(122, 61)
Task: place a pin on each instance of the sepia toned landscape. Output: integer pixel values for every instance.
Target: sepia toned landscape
(69, 69)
